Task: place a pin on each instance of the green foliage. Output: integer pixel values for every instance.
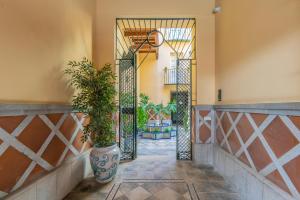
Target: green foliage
(142, 115)
(186, 121)
(95, 98)
(169, 109)
(167, 129)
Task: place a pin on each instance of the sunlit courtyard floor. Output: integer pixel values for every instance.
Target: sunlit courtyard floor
(157, 175)
(147, 147)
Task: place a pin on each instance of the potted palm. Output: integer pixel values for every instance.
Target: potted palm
(95, 98)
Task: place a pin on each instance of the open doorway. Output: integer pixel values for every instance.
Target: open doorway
(155, 64)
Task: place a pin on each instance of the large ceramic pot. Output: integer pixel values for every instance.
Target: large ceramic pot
(105, 162)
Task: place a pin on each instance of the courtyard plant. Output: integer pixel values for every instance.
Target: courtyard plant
(95, 98)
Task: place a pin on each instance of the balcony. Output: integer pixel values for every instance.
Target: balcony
(170, 76)
(171, 79)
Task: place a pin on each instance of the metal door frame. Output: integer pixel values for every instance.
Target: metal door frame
(131, 24)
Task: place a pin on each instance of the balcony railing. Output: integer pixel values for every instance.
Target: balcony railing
(171, 79)
(170, 76)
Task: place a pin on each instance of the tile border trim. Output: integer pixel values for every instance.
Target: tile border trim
(262, 108)
(25, 109)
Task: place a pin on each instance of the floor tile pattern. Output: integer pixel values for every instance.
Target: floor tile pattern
(157, 177)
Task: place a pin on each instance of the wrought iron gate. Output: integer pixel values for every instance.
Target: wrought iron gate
(145, 35)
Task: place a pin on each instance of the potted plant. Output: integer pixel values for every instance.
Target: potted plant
(95, 98)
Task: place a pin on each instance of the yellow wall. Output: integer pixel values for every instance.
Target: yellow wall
(37, 38)
(258, 51)
(151, 75)
(108, 10)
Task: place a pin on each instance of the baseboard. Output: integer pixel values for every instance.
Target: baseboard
(250, 184)
(58, 183)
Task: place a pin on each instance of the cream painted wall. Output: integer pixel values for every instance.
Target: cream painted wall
(108, 11)
(37, 39)
(151, 76)
(258, 51)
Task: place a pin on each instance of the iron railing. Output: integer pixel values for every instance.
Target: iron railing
(171, 79)
(170, 76)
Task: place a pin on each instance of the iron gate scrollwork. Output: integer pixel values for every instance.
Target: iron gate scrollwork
(183, 114)
(146, 35)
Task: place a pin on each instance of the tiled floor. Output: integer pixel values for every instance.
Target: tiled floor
(157, 175)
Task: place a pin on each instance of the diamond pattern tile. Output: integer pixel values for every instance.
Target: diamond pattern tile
(68, 127)
(259, 118)
(234, 142)
(10, 123)
(276, 178)
(54, 151)
(259, 154)
(205, 133)
(225, 123)
(245, 129)
(293, 170)
(279, 137)
(35, 134)
(296, 121)
(13, 165)
(234, 115)
(244, 159)
(77, 142)
(55, 117)
(35, 139)
(220, 136)
(204, 113)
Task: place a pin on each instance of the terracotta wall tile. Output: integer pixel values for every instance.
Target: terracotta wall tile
(54, 151)
(13, 164)
(225, 147)
(245, 129)
(234, 115)
(35, 134)
(259, 155)
(279, 137)
(276, 178)
(258, 118)
(79, 116)
(54, 118)
(244, 159)
(293, 170)
(69, 154)
(234, 142)
(219, 113)
(219, 135)
(37, 172)
(10, 123)
(77, 142)
(204, 113)
(68, 127)
(296, 121)
(205, 133)
(225, 124)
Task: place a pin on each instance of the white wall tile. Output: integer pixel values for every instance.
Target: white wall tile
(254, 188)
(63, 181)
(270, 194)
(46, 187)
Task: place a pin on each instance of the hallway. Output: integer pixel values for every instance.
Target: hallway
(157, 175)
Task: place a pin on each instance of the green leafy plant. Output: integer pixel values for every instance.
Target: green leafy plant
(169, 109)
(142, 115)
(95, 98)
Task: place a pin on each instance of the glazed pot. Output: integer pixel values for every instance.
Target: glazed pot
(105, 162)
